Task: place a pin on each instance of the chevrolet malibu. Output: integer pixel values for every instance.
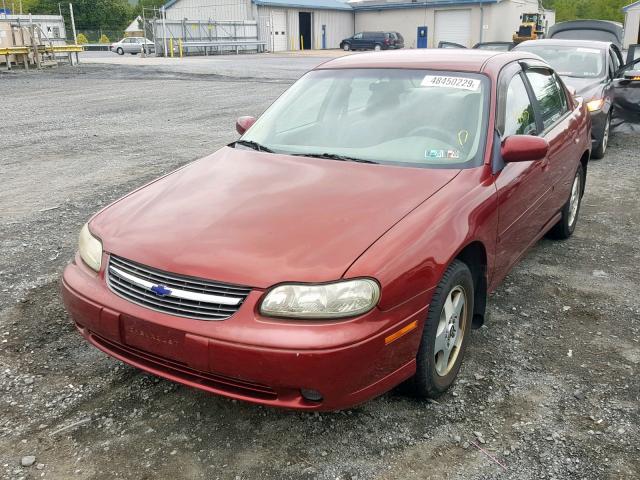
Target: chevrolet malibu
(347, 242)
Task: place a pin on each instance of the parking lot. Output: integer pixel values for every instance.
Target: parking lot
(549, 387)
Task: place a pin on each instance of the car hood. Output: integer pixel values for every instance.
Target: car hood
(256, 219)
(587, 88)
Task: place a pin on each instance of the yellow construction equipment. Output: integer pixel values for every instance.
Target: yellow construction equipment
(531, 28)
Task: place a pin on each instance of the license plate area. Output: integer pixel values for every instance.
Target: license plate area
(162, 341)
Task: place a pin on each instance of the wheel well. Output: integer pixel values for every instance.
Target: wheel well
(474, 256)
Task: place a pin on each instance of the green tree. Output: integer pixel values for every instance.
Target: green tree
(104, 39)
(587, 9)
(82, 39)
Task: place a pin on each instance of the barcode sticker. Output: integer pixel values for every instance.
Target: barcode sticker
(463, 83)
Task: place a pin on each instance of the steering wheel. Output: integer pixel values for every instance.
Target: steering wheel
(435, 132)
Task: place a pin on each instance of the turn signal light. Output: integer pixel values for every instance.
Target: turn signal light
(595, 105)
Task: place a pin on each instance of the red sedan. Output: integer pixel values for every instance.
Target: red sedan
(348, 240)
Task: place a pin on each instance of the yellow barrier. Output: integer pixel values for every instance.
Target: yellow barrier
(301, 42)
(14, 50)
(180, 46)
(171, 47)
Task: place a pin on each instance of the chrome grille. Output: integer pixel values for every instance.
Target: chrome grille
(173, 294)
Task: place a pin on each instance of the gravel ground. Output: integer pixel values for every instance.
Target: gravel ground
(549, 388)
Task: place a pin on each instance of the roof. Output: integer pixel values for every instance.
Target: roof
(315, 4)
(389, 5)
(135, 25)
(567, 43)
(463, 60)
(351, 5)
(631, 6)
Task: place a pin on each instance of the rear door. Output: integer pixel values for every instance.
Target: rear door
(559, 121)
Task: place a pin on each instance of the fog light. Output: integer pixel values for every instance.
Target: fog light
(311, 395)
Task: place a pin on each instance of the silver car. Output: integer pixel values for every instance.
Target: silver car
(132, 45)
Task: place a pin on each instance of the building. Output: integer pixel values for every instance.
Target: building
(465, 22)
(318, 24)
(135, 28)
(49, 29)
(631, 24)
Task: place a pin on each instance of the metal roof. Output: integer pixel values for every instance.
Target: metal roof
(390, 5)
(630, 6)
(311, 4)
(359, 4)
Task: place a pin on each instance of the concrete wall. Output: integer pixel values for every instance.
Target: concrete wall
(339, 25)
(496, 21)
(631, 26)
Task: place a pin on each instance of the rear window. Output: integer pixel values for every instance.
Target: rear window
(579, 62)
(587, 34)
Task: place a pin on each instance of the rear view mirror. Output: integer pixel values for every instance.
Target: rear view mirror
(244, 123)
(524, 148)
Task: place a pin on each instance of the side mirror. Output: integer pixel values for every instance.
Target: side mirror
(572, 91)
(524, 148)
(244, 123)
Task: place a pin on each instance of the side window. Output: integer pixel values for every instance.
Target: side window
(518, 116)
(358, 36)
(550, 95)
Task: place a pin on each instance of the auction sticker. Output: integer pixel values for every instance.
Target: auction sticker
(463, 83)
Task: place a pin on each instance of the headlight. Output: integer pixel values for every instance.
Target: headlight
(332, 300)
(90, 249)
(595, 105)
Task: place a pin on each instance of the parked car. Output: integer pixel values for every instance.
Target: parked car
(598, 30)
(132, 45)
(347, 241)
(589, 67)
(373, 41)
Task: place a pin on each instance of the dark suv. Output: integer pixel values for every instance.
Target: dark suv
(373, 41)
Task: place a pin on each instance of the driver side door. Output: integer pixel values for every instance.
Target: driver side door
(523, 188)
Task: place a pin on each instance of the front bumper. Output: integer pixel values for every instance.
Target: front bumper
(249, 357)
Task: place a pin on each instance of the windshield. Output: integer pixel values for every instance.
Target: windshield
(402, 117)
(586, 34)
(571, 61)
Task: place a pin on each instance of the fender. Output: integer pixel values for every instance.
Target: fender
(431, 236)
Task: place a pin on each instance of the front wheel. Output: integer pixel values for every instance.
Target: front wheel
(346, 47)
(120, 51)
(569, 213)
(444, 337)
(377, 47)
(601, 149)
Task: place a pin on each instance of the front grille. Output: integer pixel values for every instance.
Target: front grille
(174, 294)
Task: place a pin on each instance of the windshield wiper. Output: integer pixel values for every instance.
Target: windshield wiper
(254, 145)
(334, 156)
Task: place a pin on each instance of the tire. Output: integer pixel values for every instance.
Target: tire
(346, 47)
(120, 51)
(444, 331)
(567, 223)
(601, 149)
(377, 47)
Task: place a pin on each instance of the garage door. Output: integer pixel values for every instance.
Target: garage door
(279, 31)
(453, 26)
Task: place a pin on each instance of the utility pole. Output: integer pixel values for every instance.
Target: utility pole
(164, 30)
(144, 35)
(73, 25)
(20, 7)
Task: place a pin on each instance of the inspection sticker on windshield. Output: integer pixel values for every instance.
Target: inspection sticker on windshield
(463, 83)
